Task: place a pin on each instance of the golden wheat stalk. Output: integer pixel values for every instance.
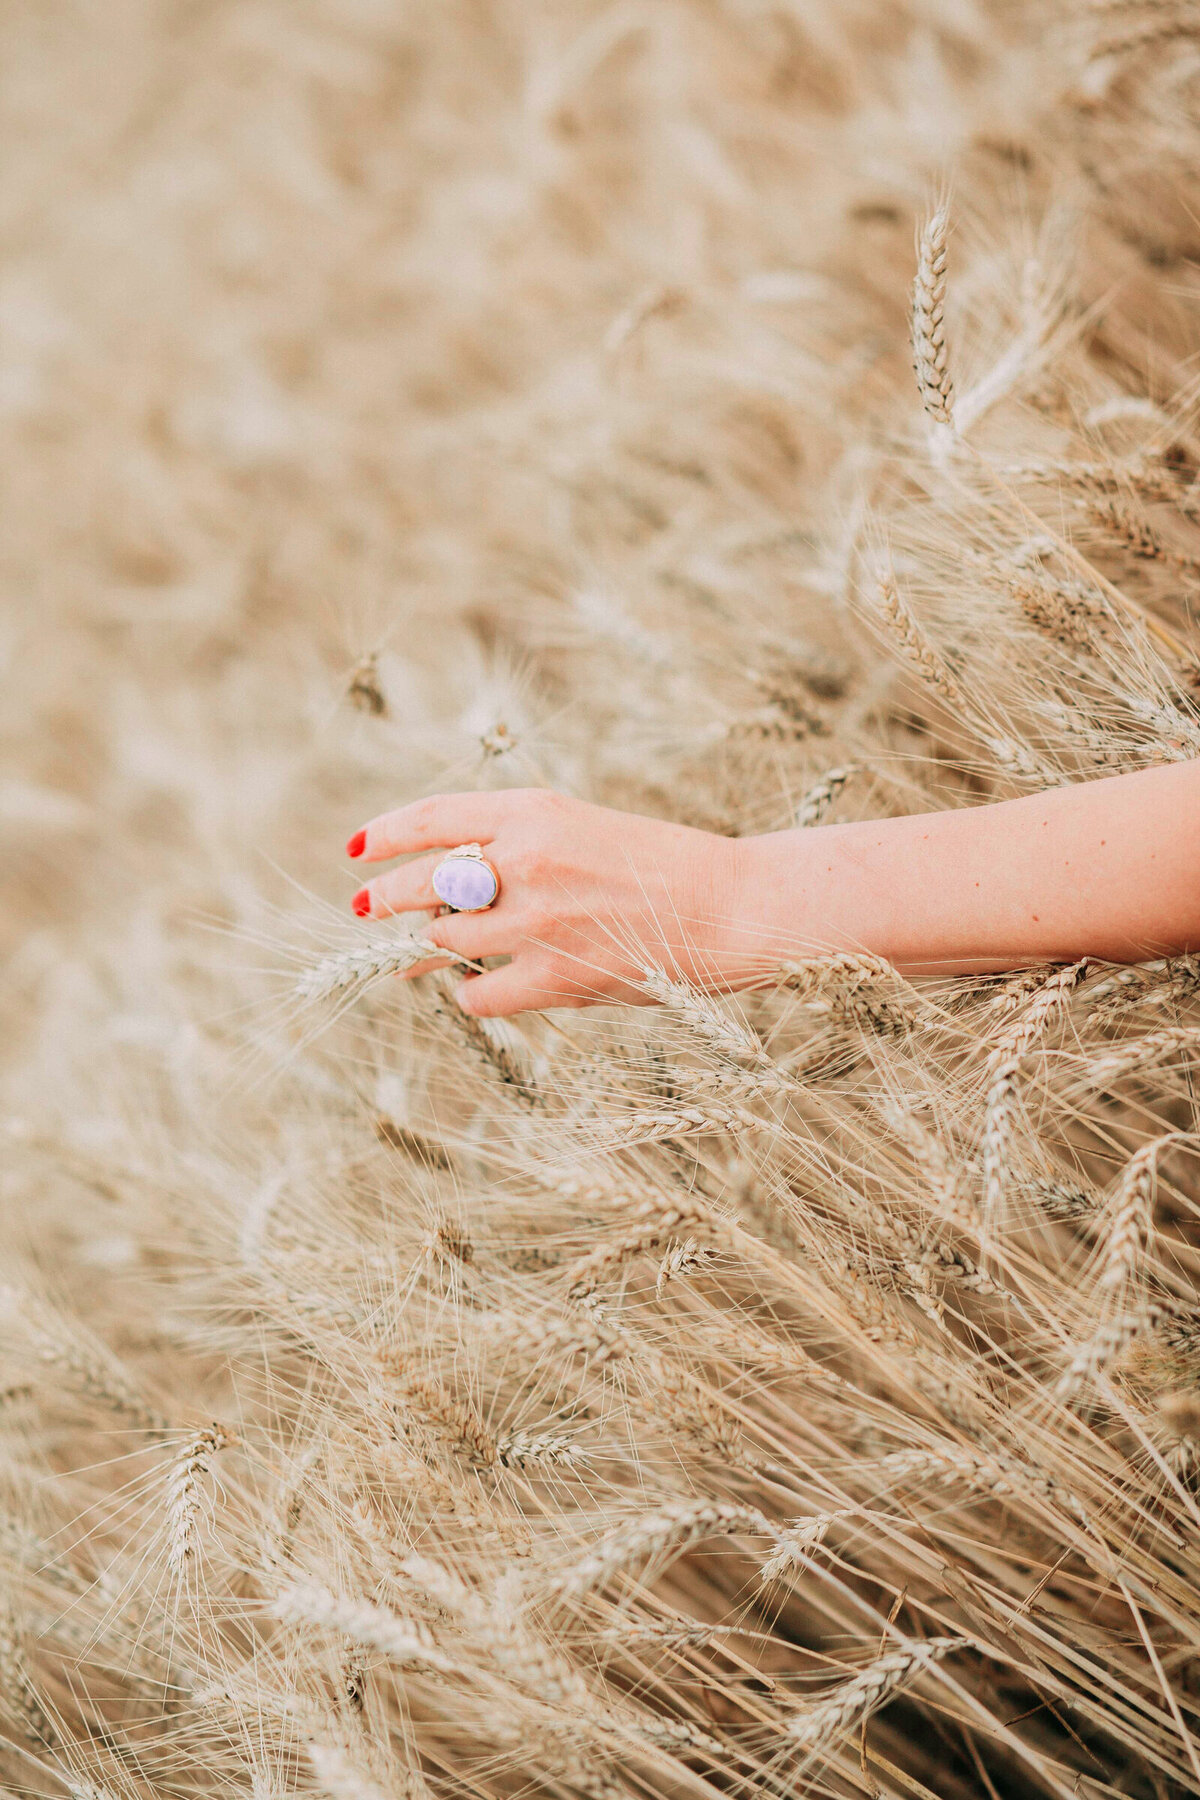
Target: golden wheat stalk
(1132, 1210)
(829, 1721)
(185, 1492)
(912, 640)
(405, 1642)
(347, 973)
(669, 1529)
(17, 1690)
(931, 362)
(1003, 1067)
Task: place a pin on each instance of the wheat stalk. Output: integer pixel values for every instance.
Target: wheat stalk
(914, 643)
(403, 1641)
(930, 357)
(184, 1492)
(1004, 1063)
(17, 1688)
(347, 973)
(831, 1720)
(1131, 1212)
(671, 1528)
(823, 794)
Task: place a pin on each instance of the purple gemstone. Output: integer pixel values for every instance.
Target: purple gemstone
(465, 884)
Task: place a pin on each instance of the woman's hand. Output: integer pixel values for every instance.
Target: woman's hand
(588, 897)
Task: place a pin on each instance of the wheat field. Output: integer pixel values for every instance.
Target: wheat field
(747, 412)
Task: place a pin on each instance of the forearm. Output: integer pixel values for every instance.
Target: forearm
(1105, 868)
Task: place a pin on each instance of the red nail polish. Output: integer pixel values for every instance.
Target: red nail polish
(362, 902)
(357, 844)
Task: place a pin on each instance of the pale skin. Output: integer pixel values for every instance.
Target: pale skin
(589, 895)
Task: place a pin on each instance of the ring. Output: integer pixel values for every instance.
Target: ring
(465, 881)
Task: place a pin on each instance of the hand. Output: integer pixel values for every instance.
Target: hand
(588, 897)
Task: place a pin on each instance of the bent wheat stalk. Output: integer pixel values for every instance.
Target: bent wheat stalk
(348, 973)
(1002, 1070)
(675, 1525)
(829, 1721)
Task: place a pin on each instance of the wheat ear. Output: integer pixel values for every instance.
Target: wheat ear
(914, 643)
(1003, 1067)
(673, 1527)
(585, 1275)
(707, 1021)
(531, 1449)
(454, 1420)
(653, 1126)
(794, 1548)
(185, 1492)
(831, 1720)
(87, 1373)
(1140, 1054)
(16, 1683)
(342, 1779)
(485, 1038)
(1131, 1213)
(352, 972)
(1102, 1349)
(930, 358)
(822, 795)
(402, 1641)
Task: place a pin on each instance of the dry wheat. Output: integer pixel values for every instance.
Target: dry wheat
(914, 643)
(1131, 1212)
(828, 1721)
(823, 794)
(351, 972)
(402, 1641)
(185, 1492)
(930, 358)
(670, 1529)
(18, 1693)
(1045, 1003)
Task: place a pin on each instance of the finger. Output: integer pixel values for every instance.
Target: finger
(473, 934)
(442, 820)
(406, 889)
(471, 937)
(521, 986)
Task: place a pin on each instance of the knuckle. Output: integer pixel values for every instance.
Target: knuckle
(423, 816)
(528, 862)
(548, 803)
(537, 921)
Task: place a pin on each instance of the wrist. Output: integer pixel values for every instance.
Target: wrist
(818, 891)
(772, 909)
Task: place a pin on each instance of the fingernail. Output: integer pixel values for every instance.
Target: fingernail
(362, 902)
(357, 844)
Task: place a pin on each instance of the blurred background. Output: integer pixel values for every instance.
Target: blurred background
(363, 367)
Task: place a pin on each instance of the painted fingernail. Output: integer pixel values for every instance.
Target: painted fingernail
(357, 844)
(362, 902)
